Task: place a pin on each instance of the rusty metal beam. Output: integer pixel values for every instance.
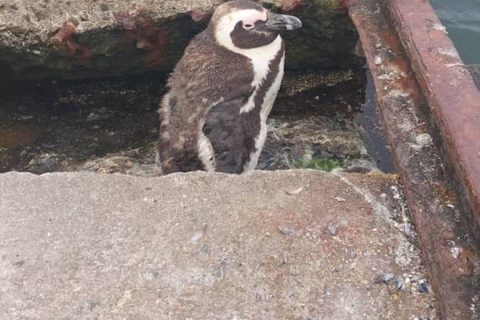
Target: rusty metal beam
(449, 88)
(448, 249)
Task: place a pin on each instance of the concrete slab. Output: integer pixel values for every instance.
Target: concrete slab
(267, 245)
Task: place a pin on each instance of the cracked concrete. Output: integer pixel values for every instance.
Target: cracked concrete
(267, 245)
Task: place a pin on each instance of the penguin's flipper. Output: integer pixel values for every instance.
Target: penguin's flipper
(225, 131)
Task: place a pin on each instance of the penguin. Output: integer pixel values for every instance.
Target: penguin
(213, 116)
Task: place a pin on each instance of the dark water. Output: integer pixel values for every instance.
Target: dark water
(462, 20)
(372, 131)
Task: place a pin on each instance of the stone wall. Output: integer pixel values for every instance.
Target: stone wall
(91, 39)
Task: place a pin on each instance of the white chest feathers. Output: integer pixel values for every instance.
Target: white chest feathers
(260, 59)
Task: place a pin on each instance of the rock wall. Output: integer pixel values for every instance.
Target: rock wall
(91, 39)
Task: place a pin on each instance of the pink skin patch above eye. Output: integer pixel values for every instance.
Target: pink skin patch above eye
(254, 17)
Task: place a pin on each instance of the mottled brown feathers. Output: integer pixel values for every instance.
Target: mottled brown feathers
(251, 120)
(206, 74)
(221, 91)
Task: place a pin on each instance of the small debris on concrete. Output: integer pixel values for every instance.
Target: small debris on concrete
(286, 231)
(332, 229)
(424, 286)
(340, 199)
(384, 277)
(296, 191)
(395, 281)
(198, 234)
(398, 284)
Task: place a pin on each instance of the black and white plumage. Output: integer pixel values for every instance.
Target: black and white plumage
(214, 115)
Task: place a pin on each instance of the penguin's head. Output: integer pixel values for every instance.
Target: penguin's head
(240, 25)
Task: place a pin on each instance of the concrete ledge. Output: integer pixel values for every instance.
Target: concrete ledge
(267, 245)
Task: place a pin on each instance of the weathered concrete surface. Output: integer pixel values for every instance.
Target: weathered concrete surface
(448, 247)
(90, 38)
(277, 245)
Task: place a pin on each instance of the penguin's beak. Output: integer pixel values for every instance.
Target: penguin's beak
(280, 22)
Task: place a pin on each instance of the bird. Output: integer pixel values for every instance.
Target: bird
(213, 116)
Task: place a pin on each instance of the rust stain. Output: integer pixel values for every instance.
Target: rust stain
(64, 34)
(443, 193)
(291, 5)
(450, 90)
(65, 38)
(17, 135)
(199, 15)
(148, 36)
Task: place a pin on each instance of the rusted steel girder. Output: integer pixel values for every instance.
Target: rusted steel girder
(449, 88)
(448, 248)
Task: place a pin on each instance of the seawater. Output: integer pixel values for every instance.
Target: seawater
(462, 20)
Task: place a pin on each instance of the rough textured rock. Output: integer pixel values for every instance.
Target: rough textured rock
(90, 38)
(277, 245)
(111, 126)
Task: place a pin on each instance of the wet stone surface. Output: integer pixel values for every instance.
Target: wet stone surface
(64, 127)
(112, 126)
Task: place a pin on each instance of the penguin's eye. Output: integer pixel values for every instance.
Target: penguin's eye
(248, 26)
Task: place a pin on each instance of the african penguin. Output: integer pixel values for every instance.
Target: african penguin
(214, 115)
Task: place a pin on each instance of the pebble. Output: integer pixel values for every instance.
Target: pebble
(332, 229)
